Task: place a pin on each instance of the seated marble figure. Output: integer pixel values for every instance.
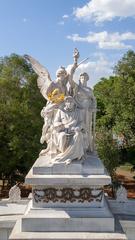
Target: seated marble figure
(68, 132)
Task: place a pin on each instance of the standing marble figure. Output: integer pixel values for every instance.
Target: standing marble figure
(69, 115)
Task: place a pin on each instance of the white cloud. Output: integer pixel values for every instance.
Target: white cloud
(101, 67)
(106, 40)
(105, 10)
(65, 16)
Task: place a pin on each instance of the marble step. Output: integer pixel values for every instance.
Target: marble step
(69, 236)
(18, 235)
(75, 220)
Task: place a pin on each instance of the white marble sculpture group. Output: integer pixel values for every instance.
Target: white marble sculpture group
(69, 115)
(67, 179)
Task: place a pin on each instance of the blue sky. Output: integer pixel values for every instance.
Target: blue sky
(49, 30)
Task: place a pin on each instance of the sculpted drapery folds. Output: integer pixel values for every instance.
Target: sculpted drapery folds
(68, 132)
(69, 115)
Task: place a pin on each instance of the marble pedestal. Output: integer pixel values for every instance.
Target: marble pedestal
(66, 199)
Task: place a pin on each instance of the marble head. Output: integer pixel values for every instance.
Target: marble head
(69, 103)
(84, 77)
(61, 74)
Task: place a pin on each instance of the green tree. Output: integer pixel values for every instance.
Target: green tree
(108, 151)
(107, 148)
(116, 98)
(126, 66)
(20, 121)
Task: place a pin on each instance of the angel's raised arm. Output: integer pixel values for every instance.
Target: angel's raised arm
(44, 79)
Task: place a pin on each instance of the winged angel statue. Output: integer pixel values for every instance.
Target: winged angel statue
(69, 115)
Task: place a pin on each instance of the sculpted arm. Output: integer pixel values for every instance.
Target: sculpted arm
(73, 68)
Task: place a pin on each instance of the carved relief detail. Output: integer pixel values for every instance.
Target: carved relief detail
(64, 195)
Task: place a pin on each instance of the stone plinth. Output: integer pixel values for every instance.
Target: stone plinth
(91, 165)
(79, 184)
(67, 198)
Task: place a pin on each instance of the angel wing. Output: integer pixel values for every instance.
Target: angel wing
(44, 79)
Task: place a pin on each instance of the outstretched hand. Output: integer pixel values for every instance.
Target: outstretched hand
(76, 55)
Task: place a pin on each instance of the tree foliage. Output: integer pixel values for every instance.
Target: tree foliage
(126, 66)
(116, 101)
(116, 98)
(20, 121)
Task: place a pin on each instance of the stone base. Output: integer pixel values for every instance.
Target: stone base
(65, 235)
(79, 184)
(67, 199)
(68, 220)
(17, 234)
